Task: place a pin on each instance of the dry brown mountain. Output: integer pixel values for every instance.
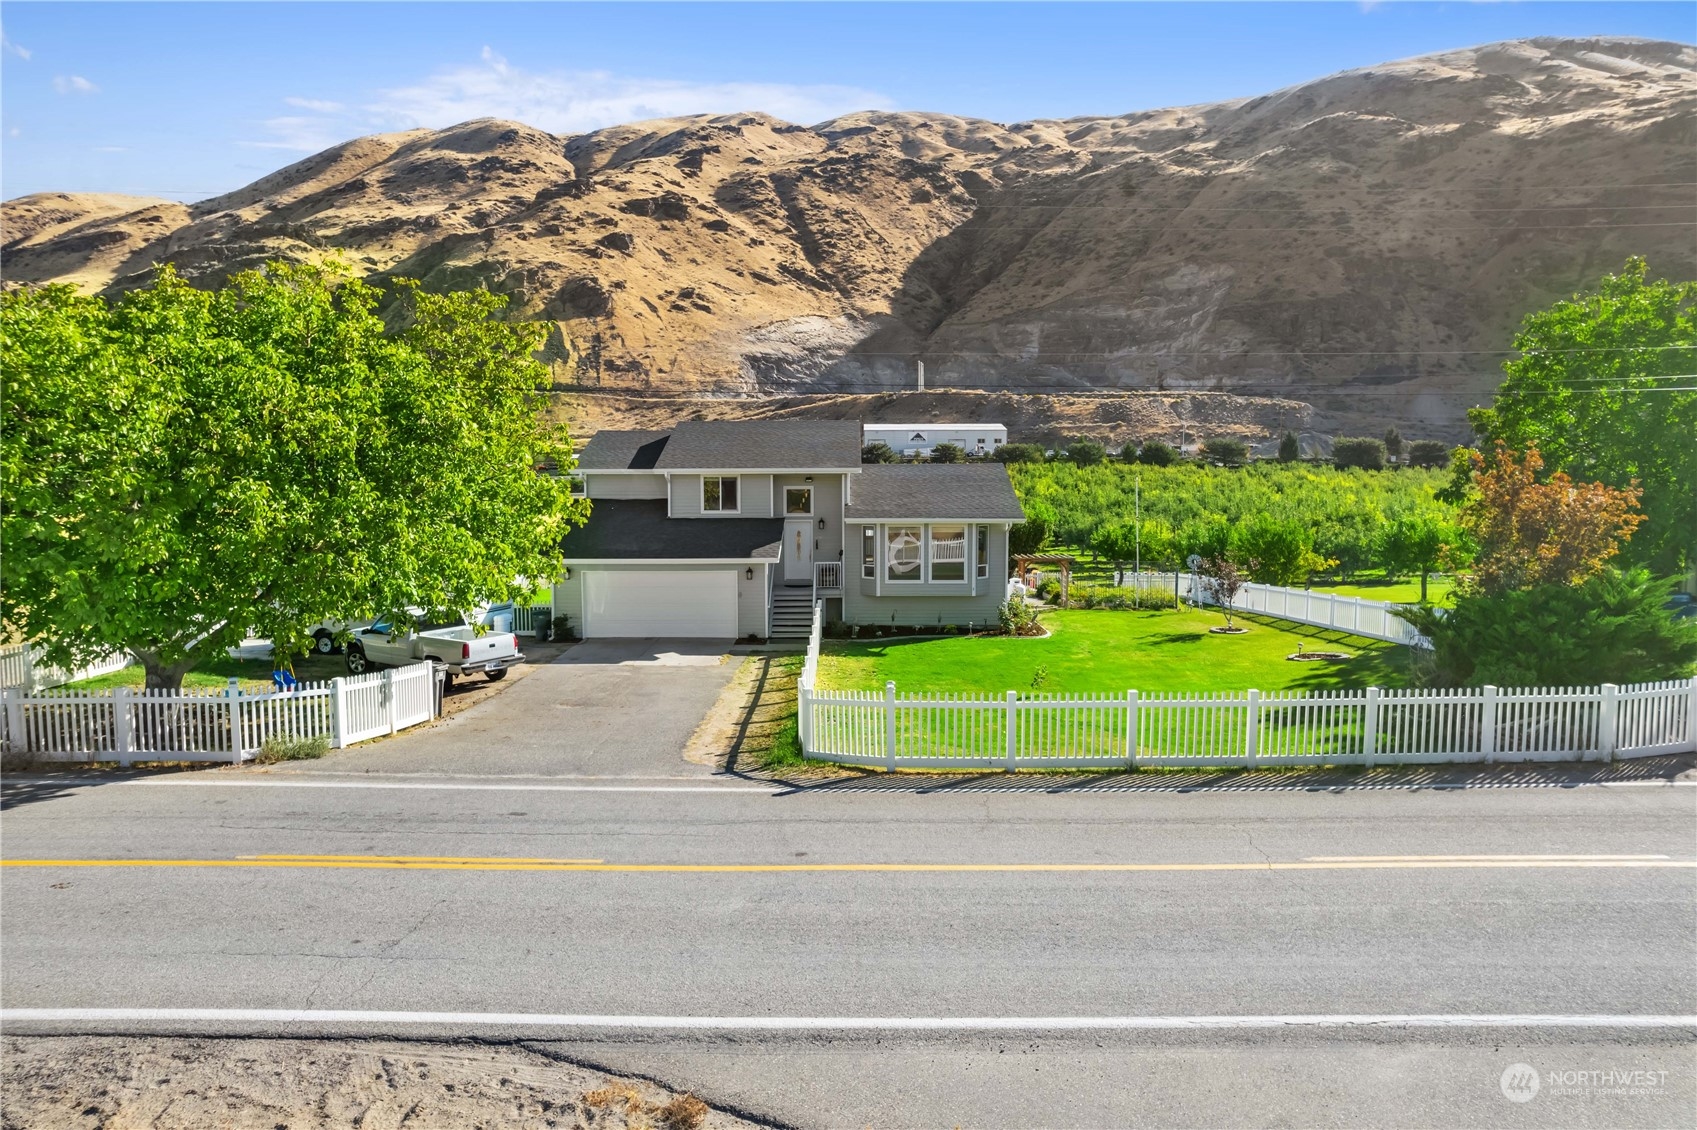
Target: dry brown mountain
(1365, 243)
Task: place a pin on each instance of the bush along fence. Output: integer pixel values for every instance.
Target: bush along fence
(125, 725)
(1241, 729)
(19, 667)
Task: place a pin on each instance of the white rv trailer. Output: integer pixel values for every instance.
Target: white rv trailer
(919, 439)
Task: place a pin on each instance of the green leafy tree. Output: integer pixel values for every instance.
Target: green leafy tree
(1290, 450)
(1226, 451)
(1275, 551)
(1086, 453)
(1157, 454)
(1032, 534)
(1612, 627)
(1020, 453)
(1363, 452)
(1603, 389)
(879, 452)
(1428, 453)
(1420, 543)
(182, 467)
(948, 453)
(1393, 442)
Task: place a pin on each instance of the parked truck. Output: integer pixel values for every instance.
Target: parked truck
(458, 647)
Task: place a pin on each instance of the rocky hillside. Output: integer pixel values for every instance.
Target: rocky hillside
(1365, 243)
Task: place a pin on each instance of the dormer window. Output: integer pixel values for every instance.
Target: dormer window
(719, 494)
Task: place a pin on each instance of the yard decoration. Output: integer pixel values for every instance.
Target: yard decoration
(1222, 582)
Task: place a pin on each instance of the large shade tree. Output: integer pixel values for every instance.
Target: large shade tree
(1603, 389)
(182, 468)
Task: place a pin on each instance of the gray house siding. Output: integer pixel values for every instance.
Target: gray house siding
(827, 504)
(925, 603)
(754, 495)
(624, 486)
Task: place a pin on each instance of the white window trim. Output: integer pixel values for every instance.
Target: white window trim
(721, 509)
(980, 565)
(931, 554)
(788, 513)
(924, 553)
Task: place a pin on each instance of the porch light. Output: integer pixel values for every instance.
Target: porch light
(748, 573)
(808, 479)
(566, 573)
(821, 523)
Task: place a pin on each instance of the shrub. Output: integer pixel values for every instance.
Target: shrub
(1127, 453)
(1612, 628)
(1049, 589)
(836, 630)
(561, 628)
(1428, 453)
(1020, 453)
(1289, 449)
(1018, 618)
(1117, 599)
(1359, 451)
(948, 453)
(1225, 451)
(879, 452)
(1157, 454)
(1086, 452)
(282, 747)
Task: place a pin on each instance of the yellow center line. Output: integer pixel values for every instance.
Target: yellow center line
(368, 863)
(1445, 858)
(412, 859)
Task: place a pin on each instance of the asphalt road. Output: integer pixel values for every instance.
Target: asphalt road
(834, 994)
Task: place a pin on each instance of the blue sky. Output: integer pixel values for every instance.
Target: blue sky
(188, 100)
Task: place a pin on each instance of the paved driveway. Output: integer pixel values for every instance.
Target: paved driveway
(605, 708)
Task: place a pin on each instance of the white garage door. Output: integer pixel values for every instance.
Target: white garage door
(685, 603)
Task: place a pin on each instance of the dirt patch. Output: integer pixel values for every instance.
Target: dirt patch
(119, 1082)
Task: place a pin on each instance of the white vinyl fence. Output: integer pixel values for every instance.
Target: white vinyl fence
(1239, 729)
(1374, 619)
(19, 667)
(126, 725)
(527, 617)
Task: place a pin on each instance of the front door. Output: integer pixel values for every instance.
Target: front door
(798, 551)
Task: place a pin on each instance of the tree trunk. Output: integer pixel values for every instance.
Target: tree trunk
(1423, 576)
(162, 676)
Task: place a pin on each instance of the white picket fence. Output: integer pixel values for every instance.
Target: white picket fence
(1239, 729)
(527, 617)
(1374, 619)
(19, 667)
(126, 725)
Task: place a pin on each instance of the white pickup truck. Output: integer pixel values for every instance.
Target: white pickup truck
(456, 646)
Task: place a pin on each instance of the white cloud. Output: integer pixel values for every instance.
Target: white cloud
(316, 105)
(307, 134)
(74, 84)
(577, 101)
(14, 49)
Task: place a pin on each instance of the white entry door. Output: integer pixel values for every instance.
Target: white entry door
(679, 603)
(798, 551)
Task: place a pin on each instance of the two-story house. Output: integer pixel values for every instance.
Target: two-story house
(732, 529)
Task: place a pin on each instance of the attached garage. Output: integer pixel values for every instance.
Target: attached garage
(678, 603)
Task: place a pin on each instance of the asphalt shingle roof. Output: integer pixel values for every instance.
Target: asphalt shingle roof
(637, 529)
(751, 445)
(968, 491)
(622, 451)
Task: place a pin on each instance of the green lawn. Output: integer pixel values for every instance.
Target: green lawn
(1101, 651)
(1405, 591)
(255, 674)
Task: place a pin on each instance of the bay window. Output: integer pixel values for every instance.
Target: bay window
(904, 548)
(948, 553)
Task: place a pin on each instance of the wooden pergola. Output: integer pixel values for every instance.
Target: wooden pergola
(1024, 561)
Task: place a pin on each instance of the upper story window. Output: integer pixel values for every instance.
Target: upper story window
(869, 551)
(983, 551)
(948, 553)
(904, 553)
(798, 500)
(719, 494)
